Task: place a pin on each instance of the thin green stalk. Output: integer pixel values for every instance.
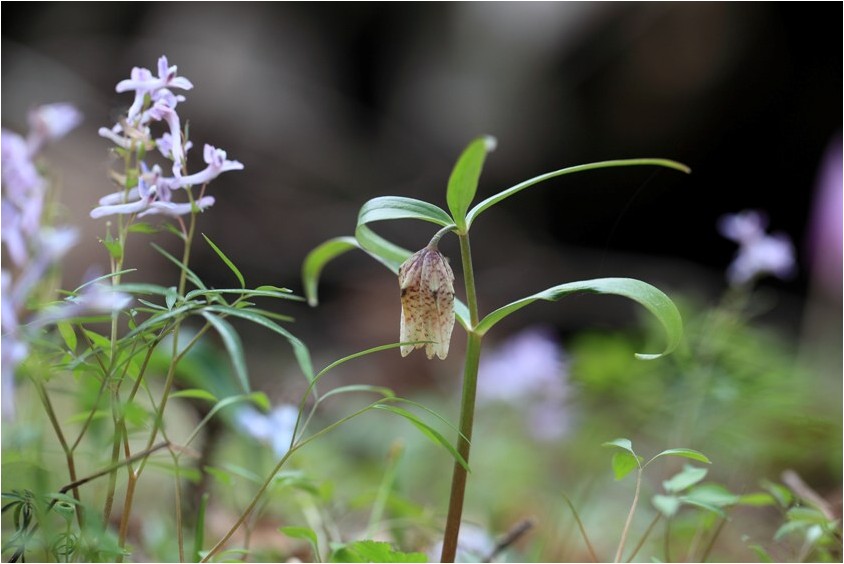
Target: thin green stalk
(71, 465)
(249, 508)
(467, 408)
(626, 529)
(381, 498)
(644, 538)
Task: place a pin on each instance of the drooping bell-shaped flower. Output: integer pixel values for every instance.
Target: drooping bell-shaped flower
(427, 302)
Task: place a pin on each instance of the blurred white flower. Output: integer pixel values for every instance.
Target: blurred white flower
(759, 254)
(474, 544)
(274, 428)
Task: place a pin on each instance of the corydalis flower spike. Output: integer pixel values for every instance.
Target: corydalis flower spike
(427, 302)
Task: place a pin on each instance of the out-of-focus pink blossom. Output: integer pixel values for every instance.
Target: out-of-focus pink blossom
(528, 372)
(826, 228)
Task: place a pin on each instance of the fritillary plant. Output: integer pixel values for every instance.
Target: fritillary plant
(427, 295)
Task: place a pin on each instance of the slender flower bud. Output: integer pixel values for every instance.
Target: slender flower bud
(427, 302)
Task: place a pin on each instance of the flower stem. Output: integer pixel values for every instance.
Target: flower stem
(626, 529)
(467, 409)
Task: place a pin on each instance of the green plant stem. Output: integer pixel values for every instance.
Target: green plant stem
(68, 452)
(644, 537)
(467, 408)
(626, 529)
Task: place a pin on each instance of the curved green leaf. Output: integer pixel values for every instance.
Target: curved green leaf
(463, 182)
(492, 200)
(685, 453)
(316, 260)
(387, 253)
(652, 298)
(398, 207)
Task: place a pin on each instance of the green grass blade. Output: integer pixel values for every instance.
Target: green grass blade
(426, 430)
(233, 345)
(191, 275)
(226, 260)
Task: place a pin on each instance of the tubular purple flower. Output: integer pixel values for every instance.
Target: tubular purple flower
(217, 164)
(109, 204)
(173, 210)
(20, 177)
(162, 111)
(13, 238)
(50, 122)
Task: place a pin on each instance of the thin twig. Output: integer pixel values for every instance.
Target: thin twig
(515, 533)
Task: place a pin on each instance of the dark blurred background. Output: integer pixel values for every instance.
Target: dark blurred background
(328, 105)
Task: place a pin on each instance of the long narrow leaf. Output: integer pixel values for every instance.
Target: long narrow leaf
(463, 182)
(426, 430)
(492, 200)
(226, 260)
(191, 275)
(300, 351)
(103, 277)
(652, 298)
(233, 345)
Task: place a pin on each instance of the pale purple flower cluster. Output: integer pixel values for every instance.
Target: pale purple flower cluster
(529, 372)
(34, 247)
(155, 102)
(759, 254)
(275, 428)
